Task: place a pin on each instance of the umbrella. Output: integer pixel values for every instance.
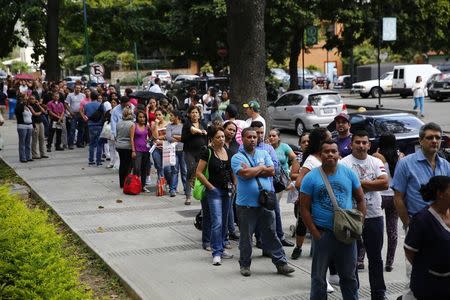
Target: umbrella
(24, 77)
(147, 95)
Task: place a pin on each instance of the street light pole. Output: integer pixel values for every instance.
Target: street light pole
(378, 52)
(86, 44)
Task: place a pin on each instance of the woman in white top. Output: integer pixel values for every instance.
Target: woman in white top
(389, 154)
(419, 94)
(159, 135)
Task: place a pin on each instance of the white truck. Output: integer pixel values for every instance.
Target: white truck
(405, 77)
(371, 88)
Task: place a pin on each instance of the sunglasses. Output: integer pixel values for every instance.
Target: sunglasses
(433, 137)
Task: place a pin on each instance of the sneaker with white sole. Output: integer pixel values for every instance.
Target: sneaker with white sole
(148, 180)
(226, 255)
(330, 289)
(217, 261)
(333, 279)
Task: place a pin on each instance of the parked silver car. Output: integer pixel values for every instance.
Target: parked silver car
(306, 109)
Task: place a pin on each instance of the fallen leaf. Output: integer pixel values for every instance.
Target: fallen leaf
(100, 229)
(82, 168)
(119, 201)
(100, 207)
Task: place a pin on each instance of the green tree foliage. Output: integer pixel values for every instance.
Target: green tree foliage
(33, 262)
(19, 67)
(108, 59)
(126, 60)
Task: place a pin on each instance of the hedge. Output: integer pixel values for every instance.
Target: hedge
(33, 261)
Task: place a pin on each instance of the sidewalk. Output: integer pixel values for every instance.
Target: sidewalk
(150, 242)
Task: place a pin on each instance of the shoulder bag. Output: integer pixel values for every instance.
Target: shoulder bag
(347, 223)
(266, 199)
(199, 189)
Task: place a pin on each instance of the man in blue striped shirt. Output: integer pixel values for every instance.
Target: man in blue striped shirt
(417, 169)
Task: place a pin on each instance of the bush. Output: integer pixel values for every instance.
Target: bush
(33, 261)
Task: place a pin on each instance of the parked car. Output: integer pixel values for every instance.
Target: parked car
(305, 109)
(371, 87)
(405, 77)
(149, 78)
(439, 88)
(343, 82)
(319, 77)
(278, 73)
(404, 126)
(184, 77)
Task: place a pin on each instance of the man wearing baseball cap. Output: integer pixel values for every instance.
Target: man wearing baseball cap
(252, 112)
(344, 138)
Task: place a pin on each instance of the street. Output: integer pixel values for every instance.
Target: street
(437, 112)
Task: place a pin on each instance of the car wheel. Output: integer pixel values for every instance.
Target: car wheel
(299, 127)
(375, 92)
(439, 99)
(403, 96)
(363, 95)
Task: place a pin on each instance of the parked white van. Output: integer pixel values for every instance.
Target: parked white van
(405, 77)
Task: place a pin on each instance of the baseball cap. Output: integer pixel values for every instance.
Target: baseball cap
(253, 104)
(342, 116)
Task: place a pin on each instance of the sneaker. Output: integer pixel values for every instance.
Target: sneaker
(173, 193)
(70, 148)
(360, 266)
(207, 248)
(91, 163)
(59, 149)
(99, 164)
(44, 156)
(110, 166)
(330, 289)
(287, 243)
(285, 269)
(245, 271)
(226, 255)
(148, 181)
(217, 261)
(296, 253)
(333, 279)
(233, 236)
(145, 190)
(388, 268)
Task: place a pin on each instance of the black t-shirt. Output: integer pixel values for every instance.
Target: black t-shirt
(36, 119)
(234, 147)
(193, 143)
(219, 170)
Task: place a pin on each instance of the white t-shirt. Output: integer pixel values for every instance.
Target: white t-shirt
(311, 162)
(368, 169)
(207, 100)
(258, 118)
(418, 90)
(389, 191)
(155, 89)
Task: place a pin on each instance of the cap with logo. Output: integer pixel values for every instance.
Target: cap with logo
(342, 116)
(253, 104)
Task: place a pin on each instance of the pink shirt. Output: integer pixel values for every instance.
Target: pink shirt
(134, 101)
(84, 102)
(56, 107)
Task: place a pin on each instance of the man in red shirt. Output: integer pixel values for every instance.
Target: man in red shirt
(55, 110)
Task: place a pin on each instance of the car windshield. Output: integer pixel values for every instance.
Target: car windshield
(165, 73)
(397, 124)
(386, 76)
(443, 77)
(324, 99)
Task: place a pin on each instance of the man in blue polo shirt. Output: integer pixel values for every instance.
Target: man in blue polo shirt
(248, 164)
(415, 170)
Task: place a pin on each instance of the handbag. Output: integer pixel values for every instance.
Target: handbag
(161, 187)
(281, 181)
(347, 223)
(266, 199)
(132, 185)
(106, 131)
(199, 189)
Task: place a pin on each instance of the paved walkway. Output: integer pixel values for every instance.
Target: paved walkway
(151, 243)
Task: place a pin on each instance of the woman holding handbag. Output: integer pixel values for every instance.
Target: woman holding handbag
(158, 129)
(194, 139)
(139, 133)
(123, 144)
(216, 204)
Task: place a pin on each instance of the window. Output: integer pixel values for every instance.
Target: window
(283, 101)
(397, 124)
(324, 99)
(396, 74)
(402, 74)
(294, 99)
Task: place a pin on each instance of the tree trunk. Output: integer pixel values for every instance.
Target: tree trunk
(296, 46)
(51, 57)
(247, 55)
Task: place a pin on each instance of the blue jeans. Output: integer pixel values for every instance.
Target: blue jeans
(418, 102)
(231, 227)
(94, 143)
(76, 123)
(327, 249)
(11, 108)
(278, 224)
(248, 218)
(157, 159)
(219, 206)
(172, 172)
(25, 143)
(373, 242)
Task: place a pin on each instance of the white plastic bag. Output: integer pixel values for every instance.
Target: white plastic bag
(106, 131)
(169, 154)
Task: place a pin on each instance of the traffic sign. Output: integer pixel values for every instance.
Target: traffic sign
(311, 33)
(97, 70)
